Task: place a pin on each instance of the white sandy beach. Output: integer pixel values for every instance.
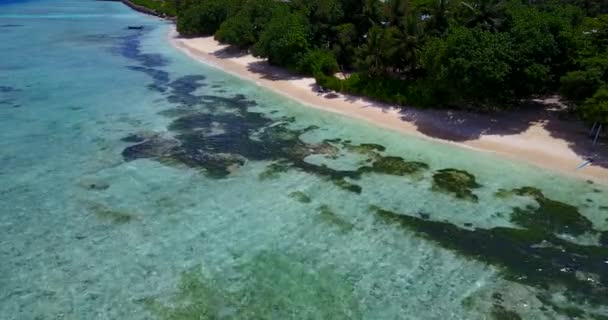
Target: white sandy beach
(538, 137)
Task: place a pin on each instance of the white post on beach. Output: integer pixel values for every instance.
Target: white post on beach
(593, 128)
(597, 134)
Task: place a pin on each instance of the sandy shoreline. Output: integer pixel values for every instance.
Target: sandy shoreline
(515, 139)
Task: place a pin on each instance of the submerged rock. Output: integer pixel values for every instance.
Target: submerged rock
(458, 183)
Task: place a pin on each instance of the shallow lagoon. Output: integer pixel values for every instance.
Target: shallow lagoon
(138, 184)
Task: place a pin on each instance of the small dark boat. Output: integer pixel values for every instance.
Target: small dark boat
(135, 27)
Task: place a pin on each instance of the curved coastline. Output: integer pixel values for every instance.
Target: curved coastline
(535, 145)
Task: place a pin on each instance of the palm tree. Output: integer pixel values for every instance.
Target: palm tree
(438, 20)
(485, 13)
(407, 40)
(396, 11)
(371, 55)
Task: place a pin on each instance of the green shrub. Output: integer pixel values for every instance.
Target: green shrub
(318, 61)
(284, 39)
(161, 7)
(579, 85)
(596, 107)
(202, 18)
(395, 91)
(244, 27)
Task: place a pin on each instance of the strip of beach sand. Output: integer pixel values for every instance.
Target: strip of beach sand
(537, 137)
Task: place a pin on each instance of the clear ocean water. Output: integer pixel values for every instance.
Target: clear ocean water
(136, 183)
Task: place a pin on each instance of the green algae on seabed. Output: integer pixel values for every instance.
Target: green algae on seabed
(604, 238)
(500, 313)
(248, 135)
(458, 183)
(328, 216)
(106, 213)
(271, 286)
(527, 256)
(348, 186)
(396, 166)
(274, 170)
(364, 148)
(550, 215)
(300, 197)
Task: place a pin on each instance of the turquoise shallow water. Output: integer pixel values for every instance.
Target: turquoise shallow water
(138, 184)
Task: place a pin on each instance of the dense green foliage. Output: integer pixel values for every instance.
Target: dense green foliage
(477, 53)
(203, 17)
(162, 8)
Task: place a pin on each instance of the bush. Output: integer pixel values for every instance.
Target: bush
(166, 8)
(284, 39)
(395, 91)
(202, 18)
(596, 107)
(243, 28)
(471, 65)
(318, 61)
(579, 85)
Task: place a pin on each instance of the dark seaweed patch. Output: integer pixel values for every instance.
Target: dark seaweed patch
(604, 239)
(550, 216)
(106, 213)
(459, 183)
(348, 186)
(500, 313)
(160, 77)
(139, 136)
(300, 197)
(182, 89)
(152, 148)
(245, 135)
(130, 49)
(364, 148)
(327, 215)
(274, 170)
(395, 166)
(523, 255)
(7, 89)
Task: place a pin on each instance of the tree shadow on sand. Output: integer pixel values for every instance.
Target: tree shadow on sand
(270, 72)
(558, 121)
(230, 52)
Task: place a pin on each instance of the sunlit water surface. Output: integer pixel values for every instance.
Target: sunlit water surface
(138, 184)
